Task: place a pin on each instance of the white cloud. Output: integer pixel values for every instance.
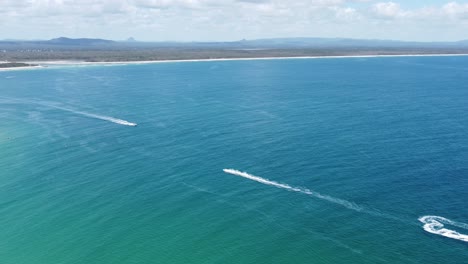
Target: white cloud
(164, 4)
(228, 19)
(456, 10)
(347, 13)
(388, 10)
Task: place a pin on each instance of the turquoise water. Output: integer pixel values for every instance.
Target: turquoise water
(341, 158)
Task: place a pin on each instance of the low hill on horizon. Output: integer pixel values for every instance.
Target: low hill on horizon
(299, 42)
(79, 41)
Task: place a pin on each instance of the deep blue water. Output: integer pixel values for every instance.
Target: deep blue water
(369, 144)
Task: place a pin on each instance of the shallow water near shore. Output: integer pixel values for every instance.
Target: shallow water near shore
(350, 160)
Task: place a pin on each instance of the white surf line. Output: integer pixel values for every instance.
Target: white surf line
(334, 200)
(21, 68)
(435, 225)
(84, 63)
(91, 115)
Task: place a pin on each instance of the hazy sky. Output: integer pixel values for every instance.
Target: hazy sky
(155, 20)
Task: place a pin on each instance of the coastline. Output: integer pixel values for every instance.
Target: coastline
(60, 63)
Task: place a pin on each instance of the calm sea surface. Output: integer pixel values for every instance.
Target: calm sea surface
(325, 161)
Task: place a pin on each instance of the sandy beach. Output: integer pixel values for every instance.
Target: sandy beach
(21, 68)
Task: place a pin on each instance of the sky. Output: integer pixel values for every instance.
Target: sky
(227, 20)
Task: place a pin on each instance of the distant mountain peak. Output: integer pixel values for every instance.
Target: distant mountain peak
(79, 41)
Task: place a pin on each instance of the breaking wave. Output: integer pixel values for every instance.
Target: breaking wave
(435, 225)
(331, 199)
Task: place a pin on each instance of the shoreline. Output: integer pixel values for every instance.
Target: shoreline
(22, 68)
(59, 63)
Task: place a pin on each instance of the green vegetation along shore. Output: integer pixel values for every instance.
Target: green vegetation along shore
(99, 50)
(15, 65)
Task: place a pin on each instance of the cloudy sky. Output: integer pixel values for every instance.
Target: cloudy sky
(201, 20)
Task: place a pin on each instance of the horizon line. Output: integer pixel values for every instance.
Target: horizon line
(132, 39)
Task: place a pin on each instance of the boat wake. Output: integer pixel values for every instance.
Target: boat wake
(55, 106)
(101, 117)
(436, 225)
(347, 204)
(432, 224)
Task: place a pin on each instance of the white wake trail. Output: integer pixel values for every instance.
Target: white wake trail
(435, 225)
(106, 118)
(53, 105)
(331, 199)
(101, 117)
(432, 224)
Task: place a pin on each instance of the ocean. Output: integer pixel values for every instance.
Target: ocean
(343, 160)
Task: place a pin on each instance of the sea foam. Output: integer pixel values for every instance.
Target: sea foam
(435, 225)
